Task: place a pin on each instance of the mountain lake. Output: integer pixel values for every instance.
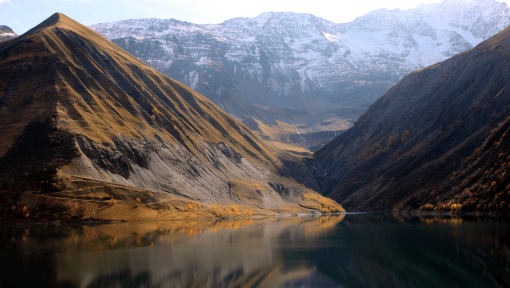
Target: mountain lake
(348, 250)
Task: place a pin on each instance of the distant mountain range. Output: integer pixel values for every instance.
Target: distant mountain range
(438, 140)
(6, 33)
(302, 70)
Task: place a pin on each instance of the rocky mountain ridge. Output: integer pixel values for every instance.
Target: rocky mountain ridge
(301, 69)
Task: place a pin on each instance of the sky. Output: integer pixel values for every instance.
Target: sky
(21, 15)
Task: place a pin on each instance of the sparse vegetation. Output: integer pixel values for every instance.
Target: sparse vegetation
(427, 207)
(324, 205)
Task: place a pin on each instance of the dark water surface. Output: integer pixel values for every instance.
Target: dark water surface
(335, 251)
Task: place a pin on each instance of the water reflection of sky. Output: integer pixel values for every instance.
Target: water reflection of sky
(332, 251)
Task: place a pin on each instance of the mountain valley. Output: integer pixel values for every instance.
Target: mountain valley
(87, 123)
(283, 68)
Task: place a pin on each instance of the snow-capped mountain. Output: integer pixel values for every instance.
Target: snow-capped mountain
(299, 67)
(6, 33)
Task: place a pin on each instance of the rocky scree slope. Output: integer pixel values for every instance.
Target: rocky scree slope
(304, 70)
(80, 118)
(6, 33)
(411, 140)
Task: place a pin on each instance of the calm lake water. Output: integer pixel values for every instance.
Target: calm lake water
(351, 250)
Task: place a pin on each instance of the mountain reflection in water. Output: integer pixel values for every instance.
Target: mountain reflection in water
(333, 251)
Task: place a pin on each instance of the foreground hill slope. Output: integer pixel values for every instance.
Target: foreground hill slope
(418, 134)
(80, 118)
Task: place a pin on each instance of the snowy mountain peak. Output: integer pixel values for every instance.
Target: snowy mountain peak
(6, 33)
(280, 21)
(468, 1)
(6, 29)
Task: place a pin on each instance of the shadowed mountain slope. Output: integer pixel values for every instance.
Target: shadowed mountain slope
(75, 107)
(482, 182)
(418, 133)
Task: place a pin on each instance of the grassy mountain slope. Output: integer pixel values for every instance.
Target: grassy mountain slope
(80, 118)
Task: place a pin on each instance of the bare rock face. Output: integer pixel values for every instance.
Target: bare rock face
(301, 69)
(77, 109)
(6, 33)
(404, 150)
